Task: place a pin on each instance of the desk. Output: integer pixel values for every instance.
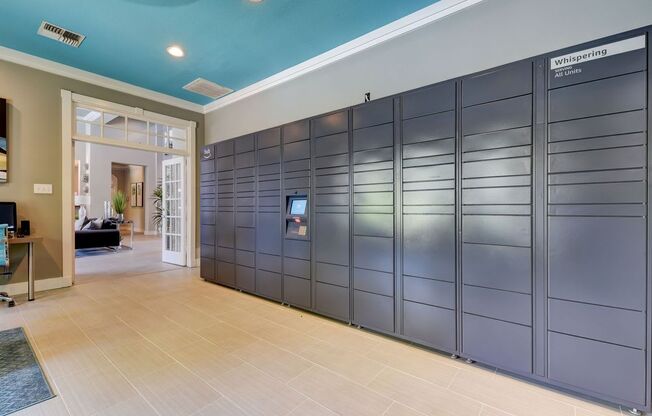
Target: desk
(29, 240)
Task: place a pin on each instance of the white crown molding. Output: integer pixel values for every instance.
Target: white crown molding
(397, 28)
(21, 58)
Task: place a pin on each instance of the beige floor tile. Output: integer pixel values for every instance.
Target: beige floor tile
(72, 358)
(344, 362)
(175, 391)
(256, 392)
(190, 318)
(221, 407)
(138, 358)
(340, 394)
(398, 409)
(424, 397)
(52, 407)
(286, 338)
(88, 392)
(136, 406)
(490, 411)
(419, 363)
(497, 393)
(206, 360)
(112, 334)
(226, 337)
(272, 360)
(349, 337)
(311, 408)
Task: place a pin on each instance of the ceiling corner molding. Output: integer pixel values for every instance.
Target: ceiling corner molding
(46, 65)
(394, 29)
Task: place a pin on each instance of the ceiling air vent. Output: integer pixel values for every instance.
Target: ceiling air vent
(207, 88)
(60, 34)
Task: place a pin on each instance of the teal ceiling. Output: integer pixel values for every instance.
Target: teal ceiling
(232, 42)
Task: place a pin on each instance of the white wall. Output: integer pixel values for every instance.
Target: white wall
(491, 33)
(101, 158)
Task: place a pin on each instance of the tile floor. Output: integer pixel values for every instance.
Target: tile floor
(168, 343)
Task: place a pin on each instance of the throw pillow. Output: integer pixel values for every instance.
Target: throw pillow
(79, 224)
(97, 224)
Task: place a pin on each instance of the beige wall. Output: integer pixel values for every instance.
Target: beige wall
(34, 130)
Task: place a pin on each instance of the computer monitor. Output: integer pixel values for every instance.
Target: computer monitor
(8, 214)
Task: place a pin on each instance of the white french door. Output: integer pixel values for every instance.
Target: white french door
(174, 230)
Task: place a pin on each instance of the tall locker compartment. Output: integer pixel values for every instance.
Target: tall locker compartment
(597, 226)
(428, 205)
(269, 214)
(245, 222)
(225, 252)
(207, 204)
(296, 181)
(331, 217)
(373, 215)
(497, 119)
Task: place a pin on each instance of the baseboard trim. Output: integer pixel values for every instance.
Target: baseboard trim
(39, 285)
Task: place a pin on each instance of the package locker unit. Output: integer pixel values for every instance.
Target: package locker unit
(501, 217)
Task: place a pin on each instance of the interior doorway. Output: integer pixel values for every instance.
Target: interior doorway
(128, 215)
(122, 212)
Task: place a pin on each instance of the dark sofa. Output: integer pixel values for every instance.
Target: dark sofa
(107, 236)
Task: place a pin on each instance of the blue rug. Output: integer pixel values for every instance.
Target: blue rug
(22, 383)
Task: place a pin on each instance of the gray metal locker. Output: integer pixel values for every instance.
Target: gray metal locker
(496, 207)
(597, 227)
(225, 216)
(373, 215)
(268, 214)
(501, 216)
(428, 222)
(331, 216)
(245, 216)
(296, 165)
(207, 206)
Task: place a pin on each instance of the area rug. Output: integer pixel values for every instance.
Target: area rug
(22, 382)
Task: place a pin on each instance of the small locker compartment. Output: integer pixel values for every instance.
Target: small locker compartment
(373, 215)
(429, 229)
(597, 225)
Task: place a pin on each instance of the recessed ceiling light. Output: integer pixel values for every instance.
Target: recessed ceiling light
(255, 1)
(175, 51)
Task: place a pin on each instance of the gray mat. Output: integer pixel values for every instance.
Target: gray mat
(22, 383)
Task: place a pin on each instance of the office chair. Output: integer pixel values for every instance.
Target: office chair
(5, 272)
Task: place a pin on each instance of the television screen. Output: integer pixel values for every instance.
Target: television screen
(298, 207)
(3, 140)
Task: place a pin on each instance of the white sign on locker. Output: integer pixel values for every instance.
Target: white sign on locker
(598, 52)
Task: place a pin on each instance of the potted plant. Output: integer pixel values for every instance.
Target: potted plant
(157, 201)
(120, 204)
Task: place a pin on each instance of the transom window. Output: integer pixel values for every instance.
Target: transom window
(97, 123)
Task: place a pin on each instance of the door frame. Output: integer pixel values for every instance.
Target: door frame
(68, 137)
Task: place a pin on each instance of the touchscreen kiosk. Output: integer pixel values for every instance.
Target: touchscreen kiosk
(296, 219)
